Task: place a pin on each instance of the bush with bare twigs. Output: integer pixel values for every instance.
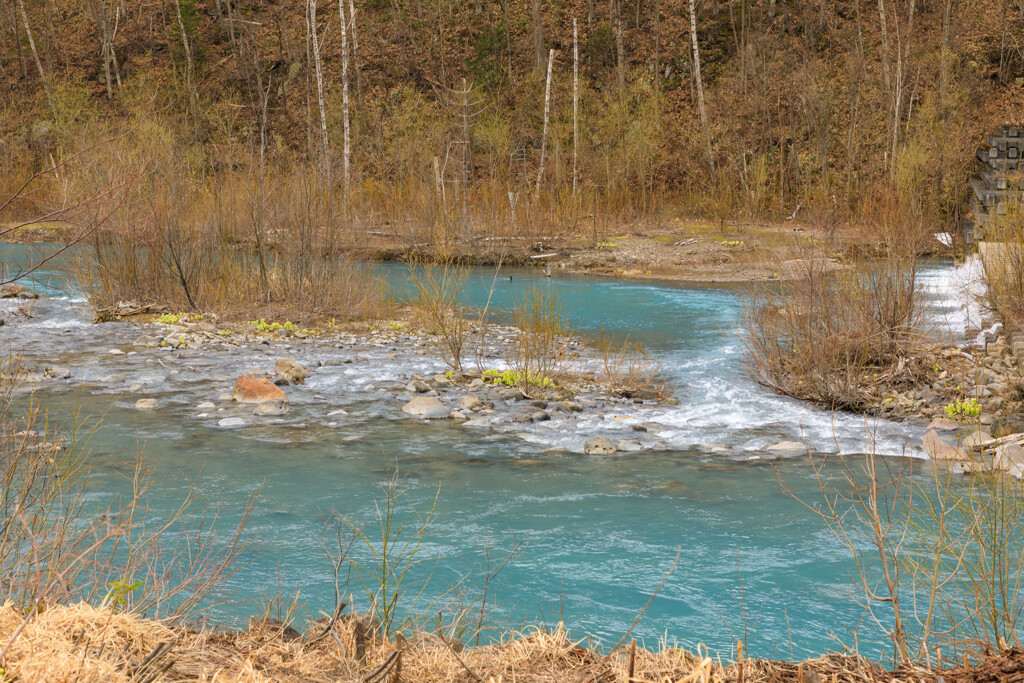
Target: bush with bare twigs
(831, 333)
(628, 370)
(539, 355)
(438, 288)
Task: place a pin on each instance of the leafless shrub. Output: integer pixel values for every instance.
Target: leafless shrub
(438, 289)
(539, 355)
(628, 370)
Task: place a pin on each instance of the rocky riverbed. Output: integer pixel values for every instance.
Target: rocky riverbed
(157, 366)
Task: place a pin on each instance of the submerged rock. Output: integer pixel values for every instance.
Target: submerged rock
(58, 372)
(629, 446)
(206, 405)
(146, 404)
(231, 422)
(786, 448)
(271, 408)
(251, 389)
(599, 446)
(290, 371)
(427, 407)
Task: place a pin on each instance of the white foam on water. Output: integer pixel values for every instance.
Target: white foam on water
(954, 296)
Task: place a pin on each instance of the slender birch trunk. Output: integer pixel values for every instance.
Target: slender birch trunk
(35, 55)
(700, 89)
(547, 114)
(314, 36)
(575, 106)
(188, 58)
(355, 53)
(347, 153)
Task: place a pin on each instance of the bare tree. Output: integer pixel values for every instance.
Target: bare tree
(538, 34)
(35, 55)
(347, 152)
(313, 36)
(547, 115)
(575, 106)
(700, 89)
(620, 59)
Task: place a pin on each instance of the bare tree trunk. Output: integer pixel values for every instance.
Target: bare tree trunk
(547, 114)
(948, 10)
(35, 55)
(315, 37)
(259, 224)
(1003, 57)
(347, 153)
(657, 52)
(355, 54)
(700, 89)
(189, 72)
(466, 147)
(538, 35)
(620, 59)
(575, 108)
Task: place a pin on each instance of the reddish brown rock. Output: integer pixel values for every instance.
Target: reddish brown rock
(252, 389)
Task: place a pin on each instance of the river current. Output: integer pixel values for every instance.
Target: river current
(597, 534)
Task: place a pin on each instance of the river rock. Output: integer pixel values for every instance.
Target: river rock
(339, 411)
(135, 388)
(251, 389)
(481, 421)
(417, 386)
(786, 448)
(943, 424)
(1010, 459)
(1008, 424)
(206, 405)
(112, 379)
(427, 407)
(937, 449)
(290, 371)
(522, 418)
(539, 416)
(599, 445)
(271, 408)
(629, 446)
(469, 403)
(146, 404)
(459, 416)
(58, 372)
(977, 440)
(11, 291)
(229, 422)
(116, 352)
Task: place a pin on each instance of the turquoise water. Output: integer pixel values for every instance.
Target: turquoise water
(598, 534)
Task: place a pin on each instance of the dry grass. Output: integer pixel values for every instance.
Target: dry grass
(87, 644)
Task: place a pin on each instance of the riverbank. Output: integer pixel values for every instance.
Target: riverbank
(86, 644)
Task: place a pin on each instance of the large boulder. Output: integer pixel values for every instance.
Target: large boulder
(1010, 458)
(251, 389)
(290, 371)
(427, 407)
(599, 445)
(937, 449)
